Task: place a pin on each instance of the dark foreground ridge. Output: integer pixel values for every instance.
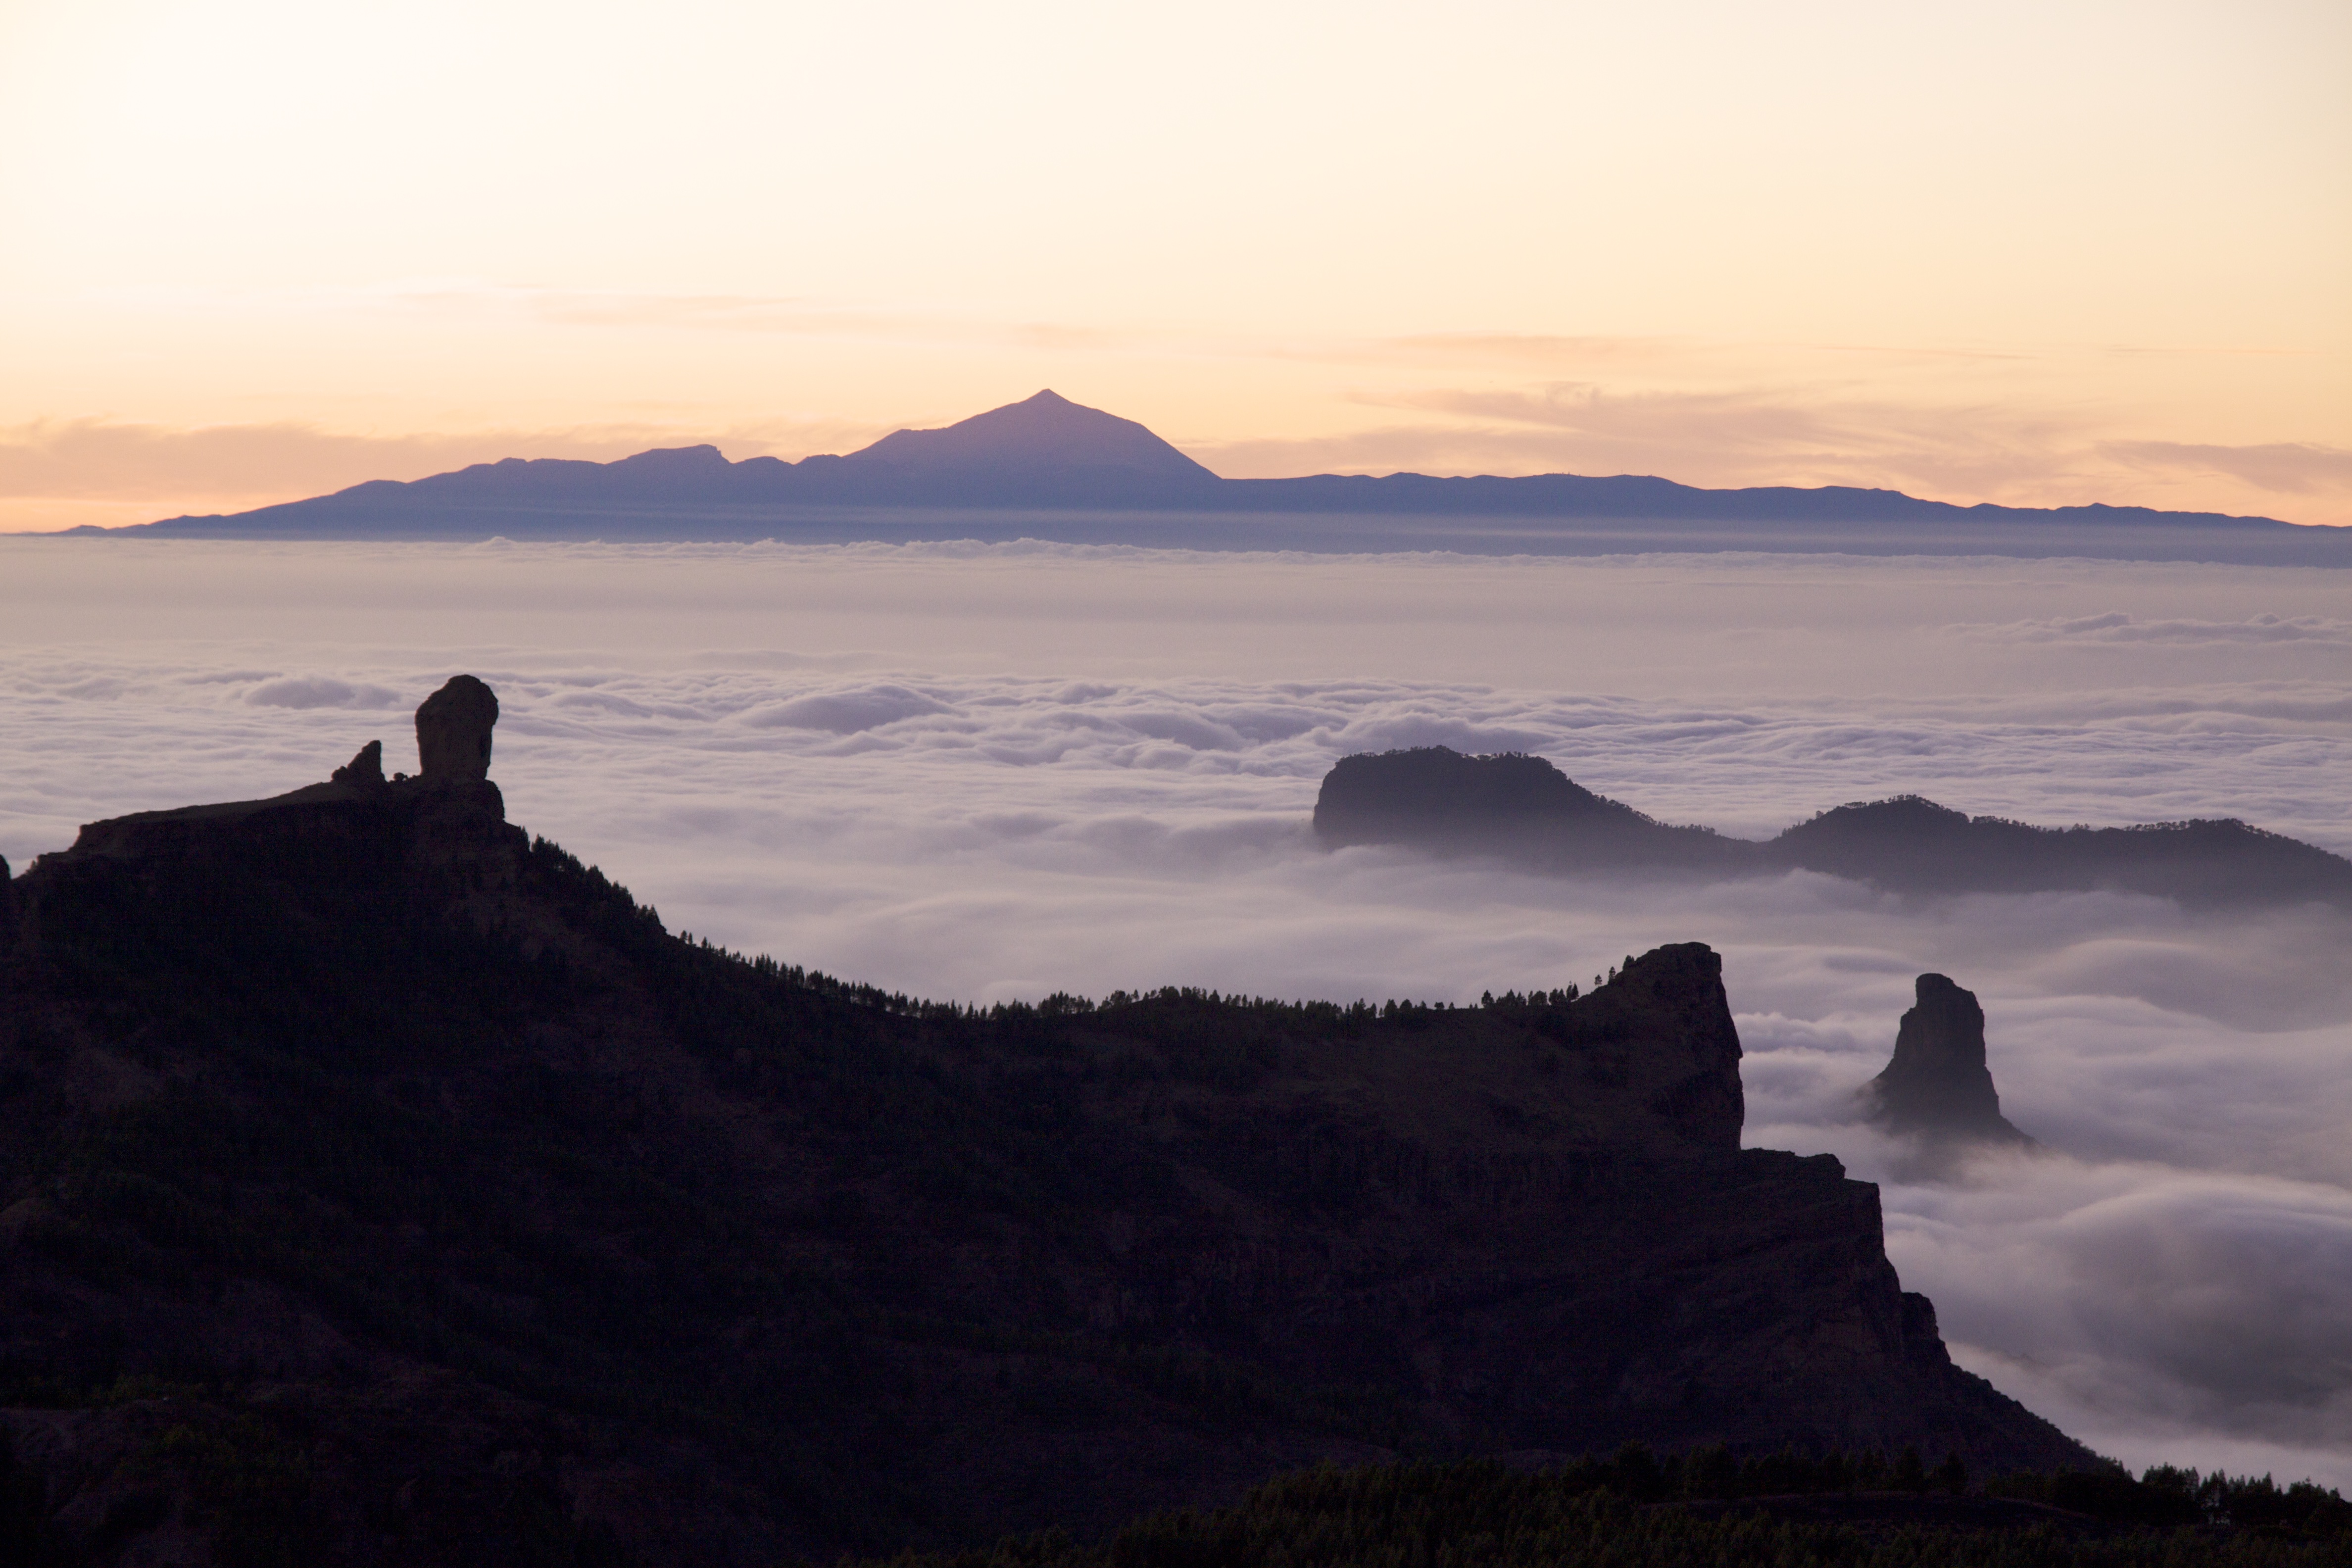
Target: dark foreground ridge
(1525, 809)
(384, 1185)
(1781, 1511)
(1046, 467)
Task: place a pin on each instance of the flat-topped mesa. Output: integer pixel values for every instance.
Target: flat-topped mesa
(453, 729)
(1434, 790)
(1519, 806)
(1938, 1084)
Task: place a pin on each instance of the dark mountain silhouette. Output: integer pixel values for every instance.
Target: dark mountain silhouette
(1525, 809)
(1913, 845)
(1937, 1085)
(381, 1185)
(1047, 468)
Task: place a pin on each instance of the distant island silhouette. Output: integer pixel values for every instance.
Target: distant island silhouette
(1524, 809)
(1047, 468)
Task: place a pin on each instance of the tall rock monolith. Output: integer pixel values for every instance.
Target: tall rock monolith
(1937, 1083)
(453, 729)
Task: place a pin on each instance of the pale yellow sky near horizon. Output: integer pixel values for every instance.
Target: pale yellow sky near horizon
(2031, 253)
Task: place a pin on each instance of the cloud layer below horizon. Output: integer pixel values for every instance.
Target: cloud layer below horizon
(993, 771)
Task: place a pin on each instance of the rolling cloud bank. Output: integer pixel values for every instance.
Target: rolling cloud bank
(994, 772)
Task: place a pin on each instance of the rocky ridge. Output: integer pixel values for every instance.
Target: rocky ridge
(383, 1181)
(1524, 809)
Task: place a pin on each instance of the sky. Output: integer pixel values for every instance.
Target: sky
(2028, 251)
(991, 772)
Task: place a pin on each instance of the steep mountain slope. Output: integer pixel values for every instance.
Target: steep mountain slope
(379, 1184)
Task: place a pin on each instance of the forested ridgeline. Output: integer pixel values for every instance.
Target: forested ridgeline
(1524, 809)
(1707, 1508)
(380, 1181)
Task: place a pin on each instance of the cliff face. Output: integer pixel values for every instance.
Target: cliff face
(409, 1171)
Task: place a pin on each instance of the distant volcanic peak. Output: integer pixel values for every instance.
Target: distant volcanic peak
(1937, 1083)
(1046, 431)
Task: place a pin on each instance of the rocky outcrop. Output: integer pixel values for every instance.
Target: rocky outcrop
(388, 1145)
(365, 771)
(453, 730)
(447, 804)
(1937, 1085)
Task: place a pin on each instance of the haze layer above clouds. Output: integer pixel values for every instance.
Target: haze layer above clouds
(993, 771)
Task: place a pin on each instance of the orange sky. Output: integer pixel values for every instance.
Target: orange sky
(2035, 253)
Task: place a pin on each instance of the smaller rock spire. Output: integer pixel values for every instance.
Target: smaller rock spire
(1937, 1083)
(365, 771)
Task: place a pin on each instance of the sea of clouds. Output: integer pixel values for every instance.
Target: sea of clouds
(993, 771)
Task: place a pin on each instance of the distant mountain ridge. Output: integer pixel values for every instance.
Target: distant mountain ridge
(1524, 809)
(1056, 459)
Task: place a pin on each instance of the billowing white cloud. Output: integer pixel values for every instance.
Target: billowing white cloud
(317, 691)
(846, 711)
(990, 771)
